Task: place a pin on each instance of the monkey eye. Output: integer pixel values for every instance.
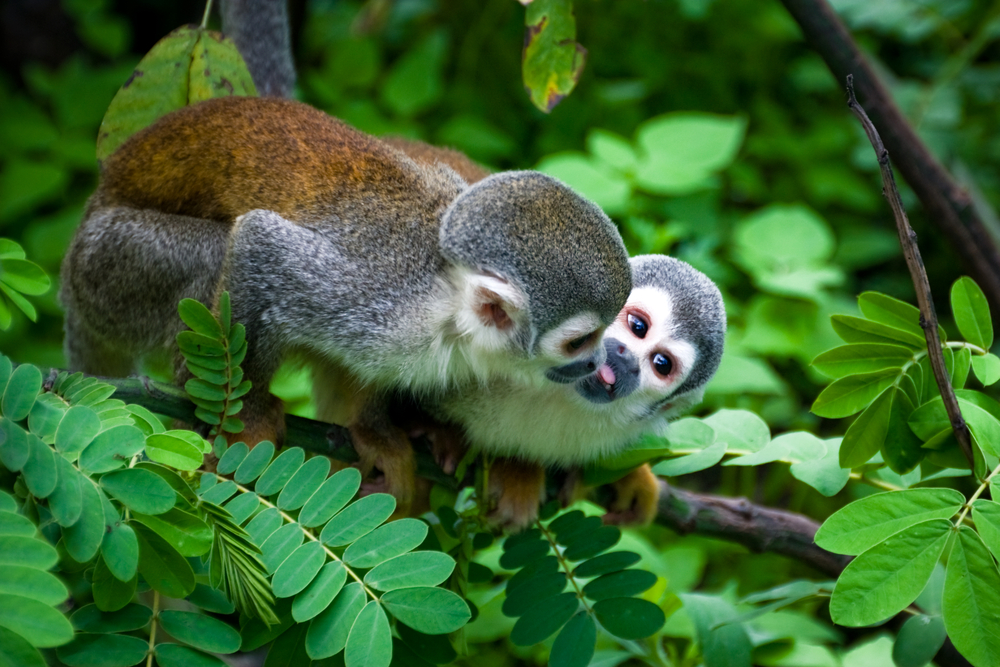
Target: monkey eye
(577, 343)
(638, 325)
(662, 364)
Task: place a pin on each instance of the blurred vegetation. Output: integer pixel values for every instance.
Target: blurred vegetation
(788, 220)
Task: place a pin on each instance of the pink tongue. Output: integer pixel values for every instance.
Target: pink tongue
(606, 375)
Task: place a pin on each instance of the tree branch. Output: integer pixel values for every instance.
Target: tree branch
(948, 206)
(734, 519)
(908, 241)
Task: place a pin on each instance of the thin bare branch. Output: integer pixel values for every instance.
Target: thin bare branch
(908, 242)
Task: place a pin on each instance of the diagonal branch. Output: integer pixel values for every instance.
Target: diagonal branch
(908, 241)
(948, 206)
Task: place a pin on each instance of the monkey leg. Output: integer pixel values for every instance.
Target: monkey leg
(636, 497)
(517, 488)
(122, 278)
(383, 446)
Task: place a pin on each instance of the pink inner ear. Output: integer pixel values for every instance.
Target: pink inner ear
(491, 311)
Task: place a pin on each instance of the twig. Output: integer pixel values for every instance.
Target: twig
(908, 241)
(738, 520)
(948, 206)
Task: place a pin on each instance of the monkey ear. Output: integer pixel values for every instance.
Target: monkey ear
(490, 303)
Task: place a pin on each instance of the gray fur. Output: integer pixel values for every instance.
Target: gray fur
(260, 30)
(699, 314)
(494, 226)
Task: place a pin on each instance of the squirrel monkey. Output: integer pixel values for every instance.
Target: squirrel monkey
(382, 272)
(664, 346)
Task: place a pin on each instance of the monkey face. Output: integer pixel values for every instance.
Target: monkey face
(647, 359)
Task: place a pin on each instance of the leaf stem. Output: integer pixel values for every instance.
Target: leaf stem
(564, 564)
(309, 535)
(975, 496)
(152, 629)
(208, 11)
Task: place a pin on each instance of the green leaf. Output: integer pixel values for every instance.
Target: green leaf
(986, 514)
(336, 492)
(263, 525)
(120, 551)
(13, 445)
(243, 506)
(110, 594)
(280, 545)
(220, 493)
(589, 177)
(684, 465)
(986, 368)
(112, 449)
(318, 595)
(175, 655)
(233, 457)
(280, 471)
(304, 483)
(545, 618)
(40, 472)
(867, 434)
(251, 467)
(606, 563)
(172, 450)
(971, 600)
(22, 390)
(163, 568)
(552, 60)
(901, 449)
(298, 570)
(861, 358)
(209, 66)
(90, 618)
(328, 631)
(523, 553)
(140, 490)
(76, 430)
(199, 347)
(420, 568)
(358, 519)
(83, 538)
(211, 599)
(431, 610)
(972, 312)
(858, 330)
(145, 420)
(39, 623)
(45, 415)
(886, 310)
(600, 540)
(369, 643)
(852, 394)
(198, 318)
(619, 584)
(918, 641)
(679, 152)
(15, 524)
(23, 304)
(16, 651)
(886, 578)
(184, 531)
(629, 618)
(103, 650)
(530, 592)
(25, 277)
(960, 370)
(200, 389)
(33, 583)
(385, 542)
(864, 523)
(200, 631)
(574, 647)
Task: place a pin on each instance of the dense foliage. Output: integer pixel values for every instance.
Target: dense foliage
(707, 130)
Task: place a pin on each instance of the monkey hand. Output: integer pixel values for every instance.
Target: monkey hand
(263, 419)
(636, 497)
(516, 490)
